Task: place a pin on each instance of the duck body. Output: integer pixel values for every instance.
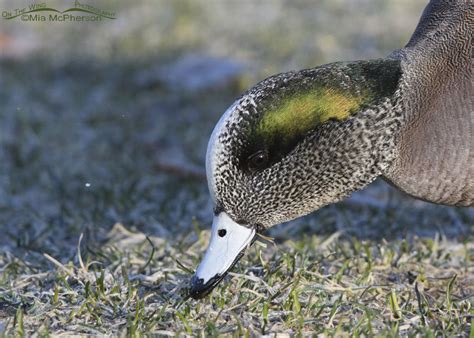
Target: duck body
(435, 154)
(301, 140)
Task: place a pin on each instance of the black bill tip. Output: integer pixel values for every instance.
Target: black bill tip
(199, 289)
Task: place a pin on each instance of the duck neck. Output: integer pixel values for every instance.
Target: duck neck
(438, 52)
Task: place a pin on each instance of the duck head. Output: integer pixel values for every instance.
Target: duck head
(290, 145)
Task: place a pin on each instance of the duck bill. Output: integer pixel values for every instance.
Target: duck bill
(228, 243)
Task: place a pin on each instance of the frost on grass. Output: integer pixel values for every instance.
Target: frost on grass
(132, 284)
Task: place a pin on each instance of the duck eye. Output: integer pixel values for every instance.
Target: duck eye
(222, 232)
(258, 160)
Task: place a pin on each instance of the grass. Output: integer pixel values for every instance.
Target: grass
(105, 213)
(317, 285)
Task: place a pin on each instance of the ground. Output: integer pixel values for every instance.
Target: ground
(104, 208)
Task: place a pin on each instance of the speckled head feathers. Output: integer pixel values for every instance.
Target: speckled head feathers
(300, 140)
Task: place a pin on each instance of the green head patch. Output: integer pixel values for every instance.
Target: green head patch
(297, 114)
(294, 104)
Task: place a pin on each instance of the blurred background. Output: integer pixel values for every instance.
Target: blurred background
(106, 122)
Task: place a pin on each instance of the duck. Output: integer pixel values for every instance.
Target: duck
(301, 140)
